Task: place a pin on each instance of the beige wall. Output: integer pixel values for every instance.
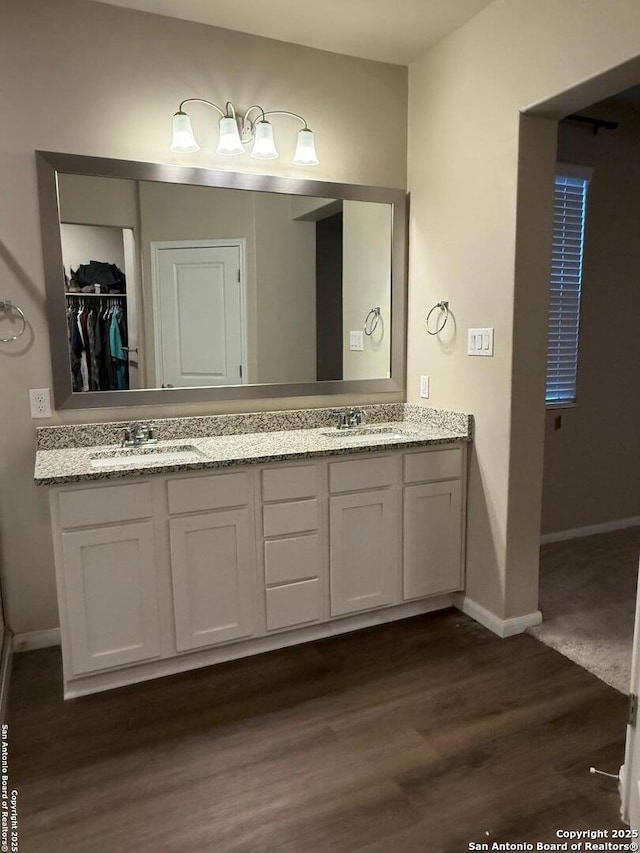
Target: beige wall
(592, 464)
(366, 283)
(286, 292)
(86, 200)
(83, 243)
(65, 92)
(479, 236)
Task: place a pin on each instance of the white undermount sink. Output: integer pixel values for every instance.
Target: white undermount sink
(365, 434)
(149, 455)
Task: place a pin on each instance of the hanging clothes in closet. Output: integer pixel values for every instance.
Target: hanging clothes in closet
(97, 343)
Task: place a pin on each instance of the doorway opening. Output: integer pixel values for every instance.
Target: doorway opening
(590, 518)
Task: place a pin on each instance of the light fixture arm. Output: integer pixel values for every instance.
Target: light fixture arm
(208, 103)
(248, 124)
(287, 113)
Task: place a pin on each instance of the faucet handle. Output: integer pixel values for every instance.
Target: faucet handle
(355, 417)
(342, 416)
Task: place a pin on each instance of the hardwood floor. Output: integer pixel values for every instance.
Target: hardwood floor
(423, 735)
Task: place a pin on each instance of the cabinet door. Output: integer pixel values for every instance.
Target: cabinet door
(432, 539)
(111, 596)
(363, 552)
(213, 578)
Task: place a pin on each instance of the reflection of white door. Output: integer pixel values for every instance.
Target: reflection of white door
(199, 314)
(631, 772)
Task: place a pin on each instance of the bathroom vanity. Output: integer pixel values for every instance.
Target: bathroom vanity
(270, 538)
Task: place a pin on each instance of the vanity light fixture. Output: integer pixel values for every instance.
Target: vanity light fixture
(237, 130)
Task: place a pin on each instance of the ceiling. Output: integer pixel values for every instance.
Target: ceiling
(396, 31)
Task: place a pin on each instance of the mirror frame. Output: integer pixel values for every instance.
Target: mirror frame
(50, 164)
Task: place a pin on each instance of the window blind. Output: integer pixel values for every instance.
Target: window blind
(566, 284)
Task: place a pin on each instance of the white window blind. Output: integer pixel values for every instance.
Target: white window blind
(566, 284)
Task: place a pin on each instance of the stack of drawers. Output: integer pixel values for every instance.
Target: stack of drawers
(293, 555)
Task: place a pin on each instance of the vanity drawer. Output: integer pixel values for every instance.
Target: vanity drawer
(195, 494)
(105, 505)
(433, 465)
(297, 517)
(279, 484)
(294, 604)
(361, 474)
(294, 559)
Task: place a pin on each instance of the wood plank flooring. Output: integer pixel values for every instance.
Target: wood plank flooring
(415, 737)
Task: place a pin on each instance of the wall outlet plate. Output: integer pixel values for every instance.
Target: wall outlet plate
(424, 387)
(40, 402)
(356, 341)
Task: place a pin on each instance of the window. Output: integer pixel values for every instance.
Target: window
(571, 187)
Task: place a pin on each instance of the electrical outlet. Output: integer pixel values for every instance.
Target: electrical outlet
(40, 402)
(424, 387)
(356, 341)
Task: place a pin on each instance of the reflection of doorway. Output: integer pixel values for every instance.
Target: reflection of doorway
(329, 297)
(199, 313)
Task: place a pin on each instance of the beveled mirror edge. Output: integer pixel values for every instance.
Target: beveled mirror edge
(49, 164)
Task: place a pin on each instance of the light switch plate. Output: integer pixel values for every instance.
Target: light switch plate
(356, 341)
(424, 387)
(40, 402)
(480, 342)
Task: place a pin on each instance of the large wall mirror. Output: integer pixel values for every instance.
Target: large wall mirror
(169, 283)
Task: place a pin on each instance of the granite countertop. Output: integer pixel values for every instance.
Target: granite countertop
(67, 465)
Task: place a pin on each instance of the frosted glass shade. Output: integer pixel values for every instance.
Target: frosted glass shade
(183, 141)
(306, 149)
(264, 147)
(229, 142)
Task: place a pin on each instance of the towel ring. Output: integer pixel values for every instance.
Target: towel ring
(369, 328)
(443, 306)
(7, 305)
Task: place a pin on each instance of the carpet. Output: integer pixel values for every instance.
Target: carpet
(587, 598)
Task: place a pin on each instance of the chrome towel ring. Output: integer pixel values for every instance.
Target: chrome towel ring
(444, 307)
(371, 321)
(7, 305)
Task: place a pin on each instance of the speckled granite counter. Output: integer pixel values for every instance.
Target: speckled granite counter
(65, 453)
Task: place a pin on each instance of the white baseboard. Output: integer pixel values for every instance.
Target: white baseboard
(590, 530)
(36, 640)
(5, 672)
(502, 627)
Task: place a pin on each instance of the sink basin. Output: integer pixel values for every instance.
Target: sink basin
(365, 434)
(148, 455)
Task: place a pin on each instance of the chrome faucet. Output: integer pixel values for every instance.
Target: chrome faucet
(138, 434)
(348, 418)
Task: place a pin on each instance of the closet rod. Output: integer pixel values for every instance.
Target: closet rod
(596, 123)
(97, 295)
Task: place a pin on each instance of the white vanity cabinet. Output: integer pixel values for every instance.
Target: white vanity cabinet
(211, 543)
(364, 526)
(179, 570)
(106, 575)
(432, 522)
